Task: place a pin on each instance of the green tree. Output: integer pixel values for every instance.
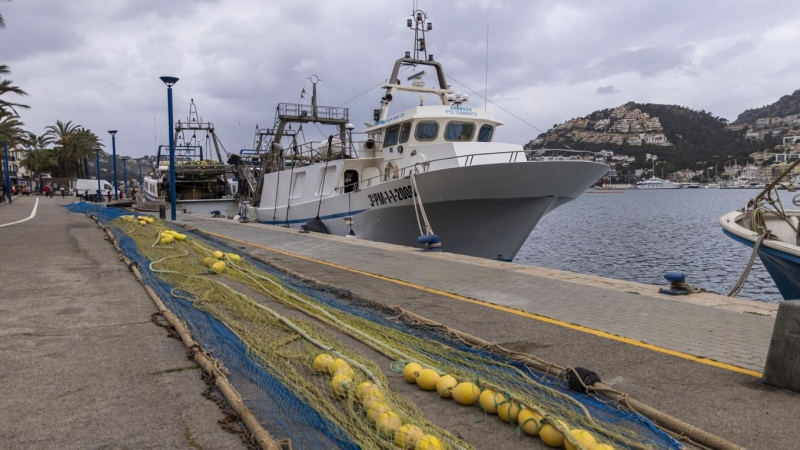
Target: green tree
(7, 87)
(74, 145)
(11, 132)
(39, 160)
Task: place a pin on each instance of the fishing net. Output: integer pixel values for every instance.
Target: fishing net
(240, 314)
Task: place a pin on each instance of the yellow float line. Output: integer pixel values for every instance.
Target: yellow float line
(603, 334)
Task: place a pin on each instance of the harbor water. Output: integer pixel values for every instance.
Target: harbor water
(639, 235)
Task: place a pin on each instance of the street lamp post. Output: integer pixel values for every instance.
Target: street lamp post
(125, 175)
(170, 81)
(114, 158)
(97, 166)
(5, 169)
(140, 176)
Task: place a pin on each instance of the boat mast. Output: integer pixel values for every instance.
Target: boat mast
(421, 25)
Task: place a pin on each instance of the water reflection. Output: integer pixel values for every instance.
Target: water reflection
(640, 235)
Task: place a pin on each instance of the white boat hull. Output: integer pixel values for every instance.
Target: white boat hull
(486, 210)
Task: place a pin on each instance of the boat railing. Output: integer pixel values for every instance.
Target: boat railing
(425, 166)
(559, 154)
(317, 151)
(322, 112)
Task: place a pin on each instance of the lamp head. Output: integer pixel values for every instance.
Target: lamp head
(113, 132)
(169, 81)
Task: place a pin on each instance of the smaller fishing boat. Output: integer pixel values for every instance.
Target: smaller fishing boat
(203, 185)
(774, 234)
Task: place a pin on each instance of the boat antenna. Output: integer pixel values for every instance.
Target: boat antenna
(486, 77)
(420, 24)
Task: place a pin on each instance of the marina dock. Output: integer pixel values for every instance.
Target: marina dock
(697, 357)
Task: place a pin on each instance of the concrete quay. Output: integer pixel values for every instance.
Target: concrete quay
(698, 358)
(81, 363)
(84, 367)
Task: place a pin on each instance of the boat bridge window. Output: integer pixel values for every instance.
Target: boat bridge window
(391, 136)
(426, 130)
(405, 132)
(459, 131)
(350, 180)
(485, 133)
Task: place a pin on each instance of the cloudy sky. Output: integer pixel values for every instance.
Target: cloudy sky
(97, 62)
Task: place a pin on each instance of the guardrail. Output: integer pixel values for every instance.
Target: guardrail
(423, 167)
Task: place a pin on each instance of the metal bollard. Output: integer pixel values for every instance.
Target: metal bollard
(162, 211)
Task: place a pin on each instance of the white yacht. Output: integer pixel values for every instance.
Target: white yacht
(432, 169)
(657, 183)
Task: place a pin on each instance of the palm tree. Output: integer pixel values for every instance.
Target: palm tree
(7, 87)
(62, 135)
(74, 145)
(12, 133)
(39, 160)
(2, 21)
(86, 141)
(11, 130)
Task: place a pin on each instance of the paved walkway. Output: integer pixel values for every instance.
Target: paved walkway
(81, 363)
(719, 333)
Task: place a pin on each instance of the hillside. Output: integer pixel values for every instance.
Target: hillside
(682, 137)
(785, 106)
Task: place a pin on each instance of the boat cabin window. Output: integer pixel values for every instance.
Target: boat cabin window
(391, 136)
(459, 131)
(405, 132)
(350, 180)
(427, 130)
(485, 133)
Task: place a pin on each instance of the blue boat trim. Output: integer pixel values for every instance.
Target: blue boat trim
(784, 268)
(331, 216)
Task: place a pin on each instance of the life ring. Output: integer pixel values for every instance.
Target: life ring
(391, 172)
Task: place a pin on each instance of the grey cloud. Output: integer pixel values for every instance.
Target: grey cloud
(647, 62)
(610, 89)
(97, 63)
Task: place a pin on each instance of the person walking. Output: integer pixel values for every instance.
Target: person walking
(109, 195)
(47, 191)
(63, 194)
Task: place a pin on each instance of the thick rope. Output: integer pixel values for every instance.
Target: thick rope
(740, 283)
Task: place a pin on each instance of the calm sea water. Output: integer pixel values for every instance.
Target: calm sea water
(640, 235)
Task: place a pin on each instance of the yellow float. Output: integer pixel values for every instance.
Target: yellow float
(410, 370)
(408, 436)
(445, 384)
(426, 379)
(466, 393)
(322, 361)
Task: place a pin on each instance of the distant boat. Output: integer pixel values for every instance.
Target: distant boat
(711, 186)
(657, 183)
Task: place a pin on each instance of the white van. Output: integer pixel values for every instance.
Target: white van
(82, 186)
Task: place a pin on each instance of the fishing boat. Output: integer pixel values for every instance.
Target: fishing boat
(774, 234)
(431, 174)
(203, 185)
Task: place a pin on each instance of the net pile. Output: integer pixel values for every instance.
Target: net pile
(270, 354)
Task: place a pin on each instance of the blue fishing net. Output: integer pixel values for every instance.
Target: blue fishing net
(284, 414)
